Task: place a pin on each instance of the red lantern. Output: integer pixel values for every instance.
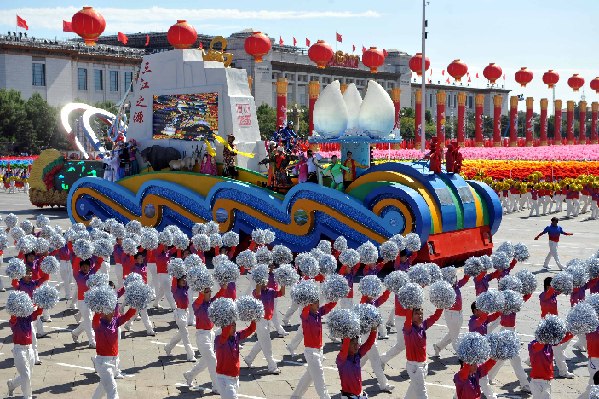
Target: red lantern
(257, 45)
(416, 64)
(320, 53)
(182, 35)
(575, 82)
(492, 72)
(550, 78)
(88, 24)
(595, 84)
(373, 59)
(523, 76)
(457, 69)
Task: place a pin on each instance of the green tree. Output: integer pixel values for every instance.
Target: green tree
(267, 121)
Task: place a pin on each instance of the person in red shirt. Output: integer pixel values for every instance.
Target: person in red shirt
(593, 363)
(264, 344)
(152, 267)
(467, 380)
(81, 277)
(554, 231)
(349, 368)
(163, 280)
(117, 255)
(414, 332)
(64, 255)
(106, 329)
(402, 262)
(226, 348)
(137, 264)
(541, 361)
(180, 293)
(454, 319)
(22, 335)
(311, 317)
(349, 273)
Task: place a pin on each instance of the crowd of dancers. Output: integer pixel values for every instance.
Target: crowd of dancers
(156, 269)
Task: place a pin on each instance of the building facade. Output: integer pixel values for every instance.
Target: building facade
(62, 72)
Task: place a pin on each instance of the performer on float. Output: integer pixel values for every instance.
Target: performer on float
(226, 348)
(314, 167)
(349, 367)
(336, 171)
(350, 175)
(288, 136)
(229, 157)
(435, 156)
(554, 231)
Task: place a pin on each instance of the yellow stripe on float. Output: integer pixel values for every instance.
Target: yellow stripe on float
(480, 217)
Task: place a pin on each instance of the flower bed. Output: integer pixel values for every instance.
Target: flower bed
(499, 169)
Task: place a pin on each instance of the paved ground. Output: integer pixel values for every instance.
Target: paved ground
(68, 371)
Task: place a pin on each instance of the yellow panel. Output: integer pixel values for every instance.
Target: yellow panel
(480, 218)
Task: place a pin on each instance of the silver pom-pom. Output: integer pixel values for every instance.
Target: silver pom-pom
(400, 241)
(501, 261)
(180, 241)
(129, 246)
(474, 348)
(521, 253)
(486, 262)
(165, 238)
(26, 244)
(176, 268)
(563, 283)
(325, 246)
(473, 266)
(411, 296)
(389, 251)
(246, 259)
(593, 267)
(97, 280)
(340, 244)
(46, 296)
(260, 274)
(510, 283)
(368, 253)
(149, 238)
(269, 237)
(47, 231)
(212, 227)
(327, 264)
(226, 272)
(16, 269)
(593, 300)
(133, 278)
(103, 249)
(334, 288)
(551, 330)
(230, 239)
(507, 248)
(42, 220)
(512, 302)
(19, 304)
(249, 308)
(307, 264)
(82, 235)
(264, 255)
(369, 315)
(395, 280)
(42, 246)
(528, 280)
(198, 228)
(4, 243)
(16, 233)
(281, 254)
(198, 279)
(371, 286)
(305, 292)
(138, 295)
(193, 260)
(434, 271)
(349, 257)
(96, 223)
(83, 249)
(490, 301)
(505, 344)
(173, 230)
(133, 227)
(50, 265)
(27, 226)
(201, 242)
(219, 259)
(101, 299)
(450, 274)
(413, 242)
(11, 220)
(316, 253)
(216, 240)
(419, 274)
(56, 241)
(258, 235)
(108, 223)
(582, 319)
(343, 323)
(222, 312)
(286, 275)
(442, 295)
(579, 274)
(594, 393)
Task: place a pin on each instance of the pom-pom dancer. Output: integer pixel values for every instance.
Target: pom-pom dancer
(349, 365)
(541, 361)
(163, 280)
(179, 290)
(81, 276)
(140, 267)
(226, 348)
(454, 319)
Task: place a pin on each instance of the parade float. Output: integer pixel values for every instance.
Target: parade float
(186, 102)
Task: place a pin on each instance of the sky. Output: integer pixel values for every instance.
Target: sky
(538, 34)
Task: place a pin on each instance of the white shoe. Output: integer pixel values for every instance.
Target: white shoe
(247, 362)
(151, 333)
(387, 388)
(276, 370)
(525, 388)
(92, 345)
(75, 338)
(282, 334)
(285, 323)
(491, 382)
(47, 319)
(567, 375)
(138, 317)
(119, 375)
(38, 362)
(188, 379)
(291, 352)
(437, 350)
(168, 350)
(11, 389)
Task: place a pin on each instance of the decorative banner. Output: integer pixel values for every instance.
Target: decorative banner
(341, 59)
(190, 117)
(244, 115)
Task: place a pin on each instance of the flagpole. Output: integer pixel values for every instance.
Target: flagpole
(423, 102)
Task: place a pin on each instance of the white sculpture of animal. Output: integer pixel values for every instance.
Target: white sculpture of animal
(176, 164)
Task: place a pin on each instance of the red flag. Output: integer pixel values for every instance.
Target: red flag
(122, 38)
(385, 53)
(66, 26)
(201, 47)
(353, 46)
(469, 80)
(447, 81)
(148, 41)
(339, 37)
(504, 76)
(21, 23)
(307, 42)
(468, 74)
(281, 42)
(431, 71)
(443, 72)
(476, 75)
(294, 42)
(363, 49)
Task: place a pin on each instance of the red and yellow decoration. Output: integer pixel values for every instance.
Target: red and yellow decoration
(88, 24)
